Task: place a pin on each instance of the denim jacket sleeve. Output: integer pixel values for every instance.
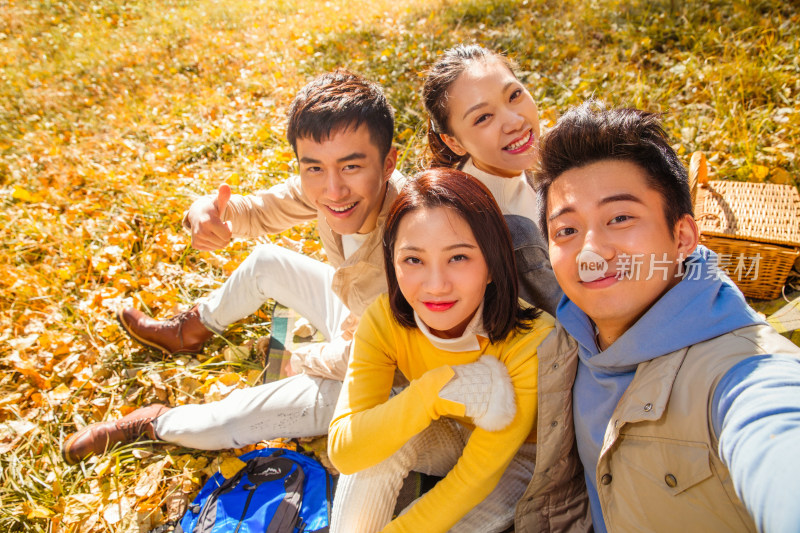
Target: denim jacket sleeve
(537, 283)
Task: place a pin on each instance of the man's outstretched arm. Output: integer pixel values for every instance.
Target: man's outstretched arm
(756, 413)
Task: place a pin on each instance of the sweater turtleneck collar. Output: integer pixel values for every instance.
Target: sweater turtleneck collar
(514, 195)
(467, 342)
(470, 168)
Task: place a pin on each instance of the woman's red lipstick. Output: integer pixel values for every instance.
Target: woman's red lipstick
(439, 306)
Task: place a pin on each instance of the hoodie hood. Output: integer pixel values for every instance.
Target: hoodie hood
(705, 304)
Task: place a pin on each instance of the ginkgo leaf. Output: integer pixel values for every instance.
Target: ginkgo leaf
(230, 466)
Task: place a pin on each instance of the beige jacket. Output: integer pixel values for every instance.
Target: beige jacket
(555, 499)
(358, 280)
(659, 469)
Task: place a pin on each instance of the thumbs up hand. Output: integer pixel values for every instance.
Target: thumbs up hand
(209, 231)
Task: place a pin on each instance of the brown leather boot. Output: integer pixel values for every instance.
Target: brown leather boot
(180, 334)
(101, 436)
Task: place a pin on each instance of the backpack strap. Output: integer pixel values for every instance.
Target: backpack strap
(287, 515)
(208, 515)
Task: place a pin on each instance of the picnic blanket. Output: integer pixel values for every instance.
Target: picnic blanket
(286, 324)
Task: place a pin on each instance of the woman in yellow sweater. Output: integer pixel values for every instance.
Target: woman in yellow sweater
(453, 325)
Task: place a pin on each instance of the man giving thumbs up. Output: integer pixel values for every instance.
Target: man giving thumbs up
(205, 220)
(340, 127)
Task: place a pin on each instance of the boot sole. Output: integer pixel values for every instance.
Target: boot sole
(64, 447)
(149, 344)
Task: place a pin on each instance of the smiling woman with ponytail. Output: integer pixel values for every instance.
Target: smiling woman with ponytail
(483, 121)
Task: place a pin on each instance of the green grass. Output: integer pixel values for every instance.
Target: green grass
(114, 114)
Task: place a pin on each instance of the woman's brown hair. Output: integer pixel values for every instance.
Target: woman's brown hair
(438, 80)
(472, 201)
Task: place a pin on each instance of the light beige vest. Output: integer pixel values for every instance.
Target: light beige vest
(659, 468)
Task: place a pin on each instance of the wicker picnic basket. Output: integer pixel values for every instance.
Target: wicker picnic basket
(753, 227)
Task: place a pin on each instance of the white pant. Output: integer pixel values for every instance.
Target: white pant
(291, 279)
(364, 502)
(299, 406)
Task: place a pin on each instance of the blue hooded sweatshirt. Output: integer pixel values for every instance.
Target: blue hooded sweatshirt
(704, 305)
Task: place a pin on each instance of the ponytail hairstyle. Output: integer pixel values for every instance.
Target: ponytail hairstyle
(438, 80)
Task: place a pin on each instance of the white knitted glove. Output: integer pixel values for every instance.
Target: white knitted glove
(484, 388)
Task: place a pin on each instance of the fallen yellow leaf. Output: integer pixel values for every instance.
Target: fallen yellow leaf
(40, 512)
(103, 467)
(148, 481)
(263, 133)
(60, 393)
(760, 172)
(782, 177)
(230, 466)
(229, 379)
(235, 354)
(21, 194)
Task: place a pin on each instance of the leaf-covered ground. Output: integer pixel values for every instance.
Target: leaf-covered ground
(115, 114)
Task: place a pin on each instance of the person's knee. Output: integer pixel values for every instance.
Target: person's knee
(267, 256)
(267, 261)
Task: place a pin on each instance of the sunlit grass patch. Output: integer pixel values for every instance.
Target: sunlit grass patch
(114, 115)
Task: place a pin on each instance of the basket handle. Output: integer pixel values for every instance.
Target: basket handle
(698, 173)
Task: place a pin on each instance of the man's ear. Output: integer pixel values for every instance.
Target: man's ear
(453, 144)
(389, 163)
(686, 235)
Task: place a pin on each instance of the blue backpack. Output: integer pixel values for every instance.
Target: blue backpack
(278, 491)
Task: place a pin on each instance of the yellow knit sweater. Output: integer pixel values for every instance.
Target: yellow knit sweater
(368, 426)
